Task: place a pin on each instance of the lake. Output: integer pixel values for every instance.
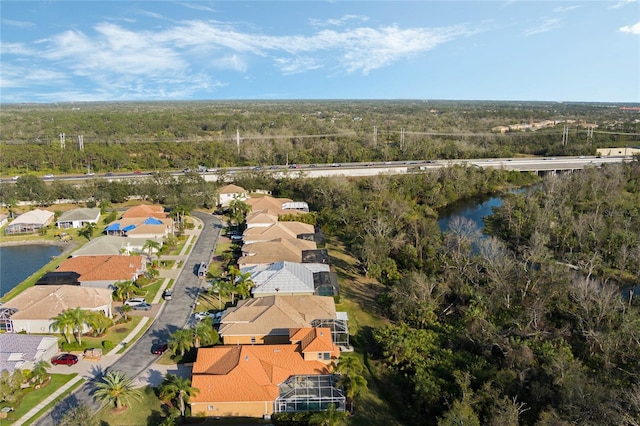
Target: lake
(17, 263)
(473, 209)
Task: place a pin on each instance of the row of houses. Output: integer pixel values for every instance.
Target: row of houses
(278, 345)
(87, 278)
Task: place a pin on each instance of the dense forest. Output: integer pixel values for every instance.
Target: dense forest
(536, 321)
(160, 136)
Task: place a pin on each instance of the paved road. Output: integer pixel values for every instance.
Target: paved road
(175, 315)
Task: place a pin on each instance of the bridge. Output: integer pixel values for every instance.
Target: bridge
(546, 165)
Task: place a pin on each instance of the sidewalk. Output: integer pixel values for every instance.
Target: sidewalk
(87, 370)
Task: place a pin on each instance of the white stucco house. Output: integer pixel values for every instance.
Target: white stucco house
(78, 218)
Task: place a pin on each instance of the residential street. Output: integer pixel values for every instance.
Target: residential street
(138, 361)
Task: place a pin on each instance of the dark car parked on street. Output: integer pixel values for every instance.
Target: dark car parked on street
(159, 348)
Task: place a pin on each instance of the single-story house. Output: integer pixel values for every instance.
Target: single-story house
(22, 351)
(33, 309)
(113, 245)
(261, 218)
(104, 271)
(269, 203)
(284, 278)
(274, 251)
(4, 219)
(144, 211)
(137, 227)
(257, 380)
(231, 192)
(288, 230)
(30, 222)
(267, 320)
(78, 218)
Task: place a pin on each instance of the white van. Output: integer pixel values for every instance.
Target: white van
(202, 270)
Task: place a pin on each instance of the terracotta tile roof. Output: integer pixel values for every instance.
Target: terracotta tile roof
(47, 301)
(275, 251)
(314, 340)
(262, 216)
(231, 189)
(289, 230)
(248, 373)
(275, 315)
(267, 203)
(104, 268)
(145, 211)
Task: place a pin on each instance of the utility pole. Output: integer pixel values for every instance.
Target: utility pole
(81, 142)
(565, 135)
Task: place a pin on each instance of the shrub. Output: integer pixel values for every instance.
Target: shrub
(107, 345)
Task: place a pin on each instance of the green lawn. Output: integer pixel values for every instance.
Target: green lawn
(33, 397)
(149, 411)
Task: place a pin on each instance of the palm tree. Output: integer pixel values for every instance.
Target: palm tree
(175, 387)
(244, 284)
(63, 323)
(181, 341)
(330, 417)
(125, 289)
(40, 372)
(151, 246)
(204, 334)
(124, 310)
(116, 388)
(99, 322)
(80, 318)
(351, 368)
(87, 230)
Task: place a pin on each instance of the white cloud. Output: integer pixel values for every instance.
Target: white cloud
(196, 6)
(337, 22)
(548, 24)
(230, 62)
(289, 66)
(563, 9)
(622, 3)
(631, 29)
(18, 24)
(116, 62)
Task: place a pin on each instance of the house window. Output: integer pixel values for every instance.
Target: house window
(327, 356)
(253, 340)
(210, 408)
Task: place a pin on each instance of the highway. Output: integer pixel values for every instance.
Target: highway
(528, 164)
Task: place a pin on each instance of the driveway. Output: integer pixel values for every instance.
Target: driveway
(138, 361)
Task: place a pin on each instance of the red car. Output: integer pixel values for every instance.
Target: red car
(159, 349)
(65, 359)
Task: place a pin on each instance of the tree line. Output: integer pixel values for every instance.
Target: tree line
(160, 136)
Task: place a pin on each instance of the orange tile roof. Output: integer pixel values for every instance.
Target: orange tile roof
(248, 373)
(313, 340)
(146, 211)
(103, 268)
(267, 203)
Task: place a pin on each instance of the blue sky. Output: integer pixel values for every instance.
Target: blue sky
(59, 51)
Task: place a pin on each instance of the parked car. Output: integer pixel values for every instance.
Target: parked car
(109, 174)
(48, 176)
(142, 307)
(202, 315)
(159, 348)
(135, 301)
(65, 359)
(167, 294)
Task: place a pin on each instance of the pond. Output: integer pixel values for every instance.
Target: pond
(17, 263)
